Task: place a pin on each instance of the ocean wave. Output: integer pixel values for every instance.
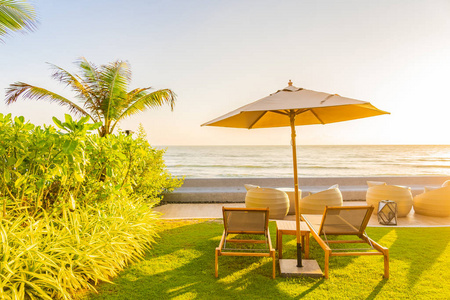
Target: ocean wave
(221, 166)
(325, 167)
(431, 159)
(270, 161)
(433, 166)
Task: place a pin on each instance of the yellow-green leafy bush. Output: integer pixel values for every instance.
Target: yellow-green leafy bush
(53, 254)
(43, 167)
(76, 207)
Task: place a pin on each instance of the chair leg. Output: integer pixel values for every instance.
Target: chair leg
(303, 243)
(306, 246)
(276, 239)
(216, 266)
(273, 264)
(327, 261)
(386, 264)
(279, 244)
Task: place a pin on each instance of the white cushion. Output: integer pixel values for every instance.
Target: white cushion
(335, 186)
(446, 183)
(430, 188)
(374, 183)
(250, 186)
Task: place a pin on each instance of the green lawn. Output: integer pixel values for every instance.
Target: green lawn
(181, 266)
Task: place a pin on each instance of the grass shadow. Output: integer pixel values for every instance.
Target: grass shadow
(311, 289)
(181, 266)
(316, 253)
(410, 253)
(377, 289)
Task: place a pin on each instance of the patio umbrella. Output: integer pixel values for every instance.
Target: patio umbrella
(293, 106)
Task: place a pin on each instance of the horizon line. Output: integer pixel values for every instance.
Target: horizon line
(301, 145)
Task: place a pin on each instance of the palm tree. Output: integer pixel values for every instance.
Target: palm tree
(101, 91)
(15, 16)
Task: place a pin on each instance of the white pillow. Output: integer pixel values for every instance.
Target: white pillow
(336, 186)
(447, 183)
(430, 188)
(375, 183)
(251, 186)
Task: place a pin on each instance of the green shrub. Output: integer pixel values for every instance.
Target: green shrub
(76, 207)
(43, 167)
(52, 255)
(126, 165)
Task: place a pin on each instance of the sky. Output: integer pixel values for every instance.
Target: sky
(220, 55)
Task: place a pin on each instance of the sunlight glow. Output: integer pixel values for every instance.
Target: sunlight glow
(393, 54)
(164, 263)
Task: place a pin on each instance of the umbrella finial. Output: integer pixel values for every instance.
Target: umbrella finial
(290, 83)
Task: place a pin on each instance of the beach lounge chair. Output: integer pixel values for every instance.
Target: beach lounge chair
(345, 221)
(251, 222)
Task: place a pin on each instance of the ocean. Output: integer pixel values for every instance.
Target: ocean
(313, 161)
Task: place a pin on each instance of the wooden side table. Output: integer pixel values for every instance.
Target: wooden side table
(288, 227)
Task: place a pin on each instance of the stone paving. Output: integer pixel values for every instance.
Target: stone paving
(214, 211)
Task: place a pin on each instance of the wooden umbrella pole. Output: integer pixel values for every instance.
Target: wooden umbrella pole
(297, 207)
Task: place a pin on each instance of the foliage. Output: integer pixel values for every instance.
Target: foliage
(41, 167)
(53, 254)
(76, 206)
(181, 266)
(16, 16)
(128, 165)
(145, 180)
(101, 91)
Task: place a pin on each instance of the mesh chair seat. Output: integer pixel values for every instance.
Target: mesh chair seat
(245, 221)
(251, 222)
(347, 221)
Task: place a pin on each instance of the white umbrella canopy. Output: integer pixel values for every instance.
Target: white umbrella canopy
(310, 107)
(293, 106)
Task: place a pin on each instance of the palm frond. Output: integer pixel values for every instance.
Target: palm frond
(90, 71)
(78, 86)
(91, 77)
(30, 92)
(135, 94)
(141, 101)
(115, 78)
(15, 16)
(83, 90)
